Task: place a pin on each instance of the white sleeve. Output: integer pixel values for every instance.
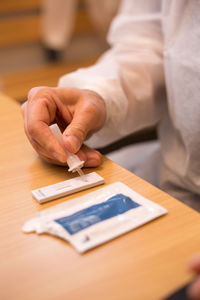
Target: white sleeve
(129, 77)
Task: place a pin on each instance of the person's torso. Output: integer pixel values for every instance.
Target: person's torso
(180, 128)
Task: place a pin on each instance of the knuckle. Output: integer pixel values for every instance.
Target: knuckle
(45, 92)
(32, 129)
(32, 92)
(80, 131)
(39, 92)
(50, 148)
(89, 107)
(92, 102)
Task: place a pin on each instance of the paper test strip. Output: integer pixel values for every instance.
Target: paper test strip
(67, 187)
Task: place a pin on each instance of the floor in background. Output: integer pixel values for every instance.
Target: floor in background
(31, 56)
(27, 66)
(23, 60)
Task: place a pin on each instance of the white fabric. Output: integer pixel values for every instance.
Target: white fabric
(136, 158)
(154, 45)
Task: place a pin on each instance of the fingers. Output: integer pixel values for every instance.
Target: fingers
(53, 161)
(38, 114)
(51, 149)
(80, 113)
(91, 157)
(88, 117)
(194, 289)
(194, 263)
(50, 153)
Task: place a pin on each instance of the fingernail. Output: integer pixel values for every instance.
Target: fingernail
(72, 142)
(60, 157)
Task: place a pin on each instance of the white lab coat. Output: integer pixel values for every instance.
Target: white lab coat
(155, 46)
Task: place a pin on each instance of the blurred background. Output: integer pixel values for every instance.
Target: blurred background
(40, 40)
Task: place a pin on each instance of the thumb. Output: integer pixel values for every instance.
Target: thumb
(73, 137)
(89, 116)
(76, 132)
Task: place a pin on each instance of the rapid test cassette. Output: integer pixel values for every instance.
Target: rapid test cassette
(67, 187)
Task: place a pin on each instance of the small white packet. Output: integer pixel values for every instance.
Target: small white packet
(96, 217)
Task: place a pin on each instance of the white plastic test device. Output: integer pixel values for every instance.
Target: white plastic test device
(69, 186)
(74, 163)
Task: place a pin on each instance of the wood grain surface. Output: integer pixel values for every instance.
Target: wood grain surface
(147, 263)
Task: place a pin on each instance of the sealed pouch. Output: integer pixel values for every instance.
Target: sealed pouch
(96, 217)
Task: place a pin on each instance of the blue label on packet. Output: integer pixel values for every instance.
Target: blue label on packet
(87, 217)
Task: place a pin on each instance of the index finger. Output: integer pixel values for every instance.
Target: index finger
(39, 114)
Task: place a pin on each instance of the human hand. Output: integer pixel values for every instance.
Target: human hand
(79, 113)
(194, 288)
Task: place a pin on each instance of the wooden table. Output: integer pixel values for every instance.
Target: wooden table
(147, 263)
